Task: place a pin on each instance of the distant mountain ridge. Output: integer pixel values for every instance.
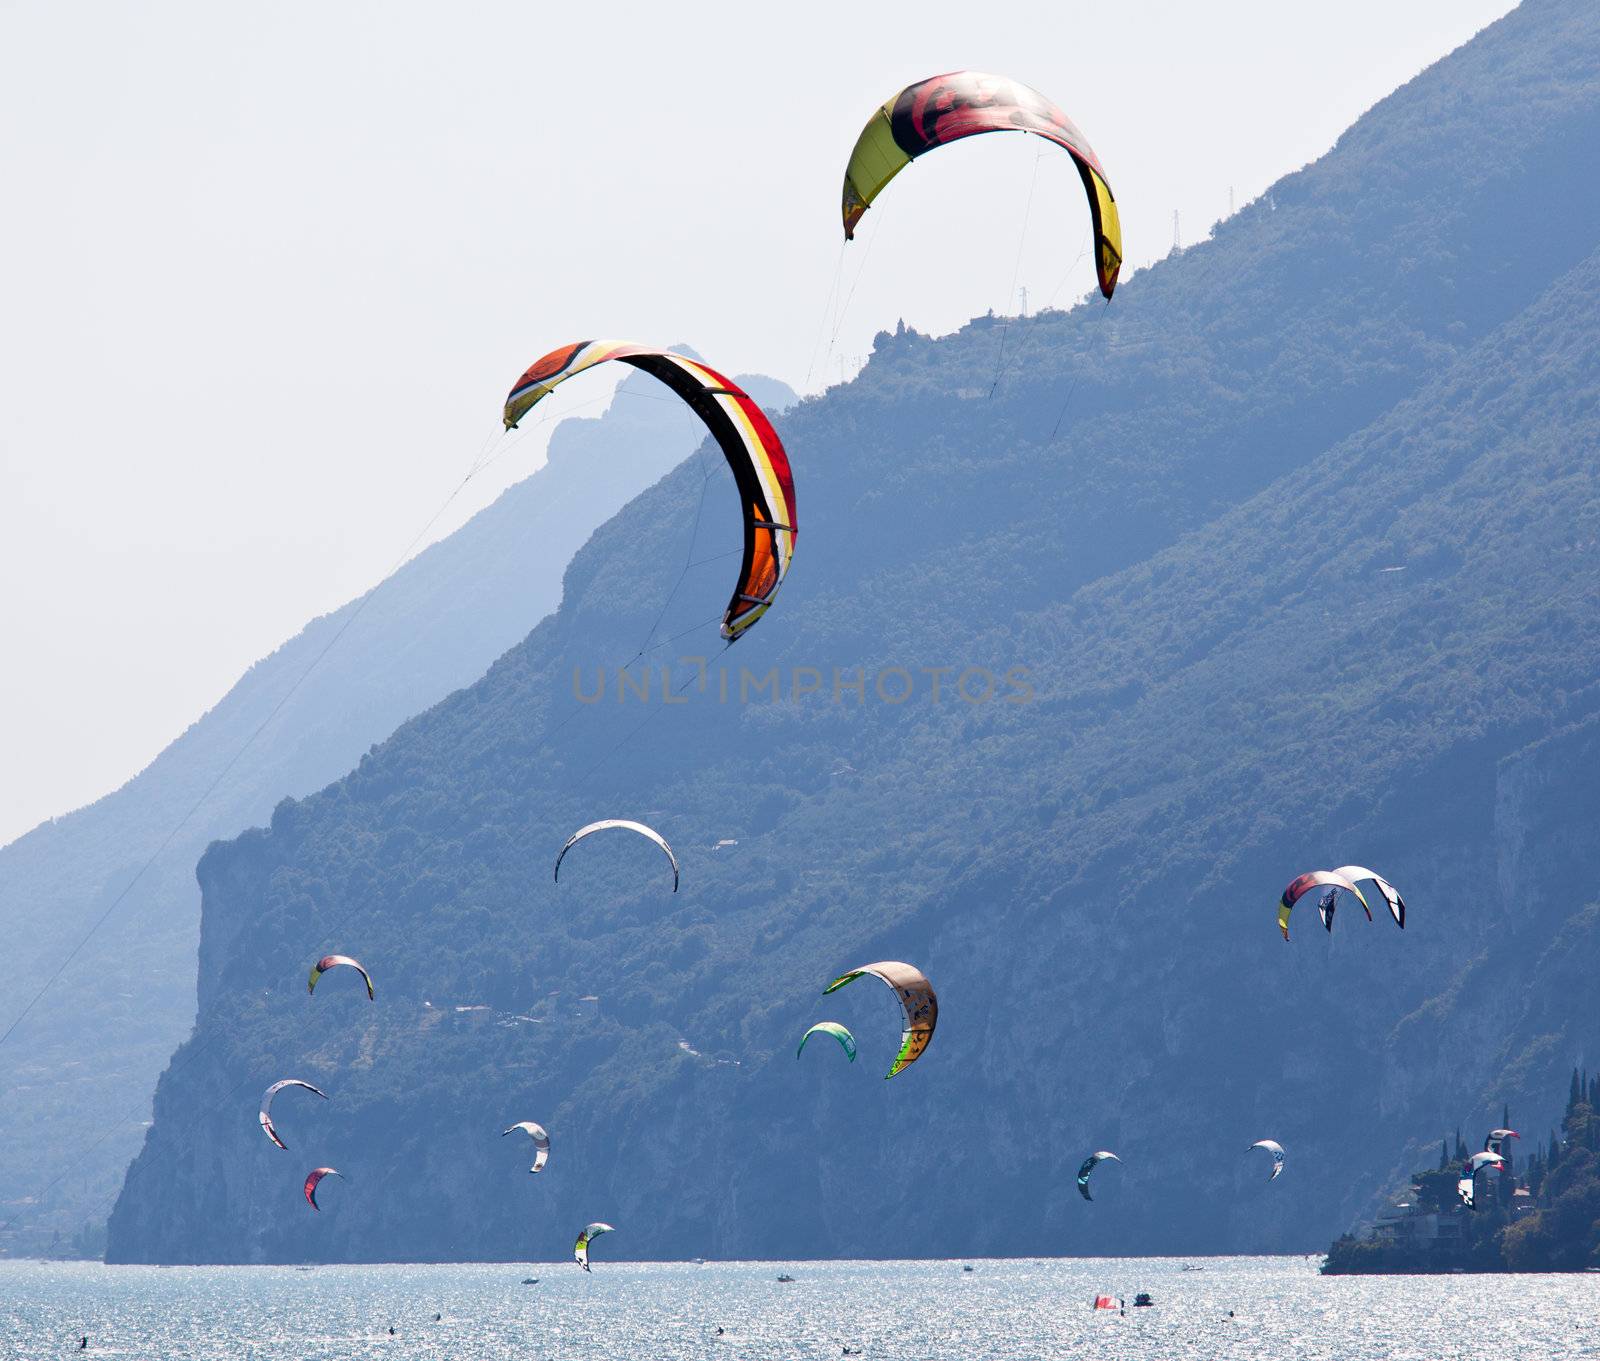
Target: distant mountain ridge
(98, 1040)
(1370, 368)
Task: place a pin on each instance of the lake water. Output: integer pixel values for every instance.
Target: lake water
(1025, 1310)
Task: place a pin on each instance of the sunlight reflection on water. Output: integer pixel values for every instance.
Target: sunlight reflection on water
(1023, 1310)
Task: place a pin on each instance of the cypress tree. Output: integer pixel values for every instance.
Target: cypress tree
(1535, 1175)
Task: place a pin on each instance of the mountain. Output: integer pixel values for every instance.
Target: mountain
(1283, 560)
(91, 1050)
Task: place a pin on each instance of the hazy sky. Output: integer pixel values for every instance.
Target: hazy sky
(270, 269)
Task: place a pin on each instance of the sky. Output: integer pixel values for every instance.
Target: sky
(269, 270)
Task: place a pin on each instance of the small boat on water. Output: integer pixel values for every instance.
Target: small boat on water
(966, 1268)
(1143, 1301)
(786, 1280)
(530, 1280)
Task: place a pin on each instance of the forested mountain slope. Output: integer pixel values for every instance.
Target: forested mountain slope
(1305, 578)
(93, 1047)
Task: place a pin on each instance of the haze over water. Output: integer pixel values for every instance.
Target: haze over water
(1023, 1310)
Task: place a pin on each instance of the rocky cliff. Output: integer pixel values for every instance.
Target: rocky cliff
(1304, 577)
(98, 1040)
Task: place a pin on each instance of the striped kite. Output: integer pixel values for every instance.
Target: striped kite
(748, 441)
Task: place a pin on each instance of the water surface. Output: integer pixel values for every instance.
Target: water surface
(1023, 1310)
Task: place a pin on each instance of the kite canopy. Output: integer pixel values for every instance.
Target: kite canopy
(315, 1179)
(748, 441)
(847, 1041)
(1089, 1164)
(580, 1251)
(961, 104)
(607, 824)
(1276, 1149)
(1496, 1142)
(332, 962)
(917, 998)
(541, 1142)
(1397, 904)
(1475, 1164)
(265, 1114)
(1303, 884)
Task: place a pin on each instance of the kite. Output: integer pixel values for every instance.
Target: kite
(1089, 1164)
(333, 961)
(265, 1115)
(917, 998)
(1475, 1164)
(944, 109)
(541, 1142)
(1303, 884)
(1397, 904)
(608, 823)
(847, 1041)
(749, 443)
(1276, 1149)
(1496, 1141)
(315, 1179)
(580, 1251)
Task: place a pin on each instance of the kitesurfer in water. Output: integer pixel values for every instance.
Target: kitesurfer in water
(83, 1343)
